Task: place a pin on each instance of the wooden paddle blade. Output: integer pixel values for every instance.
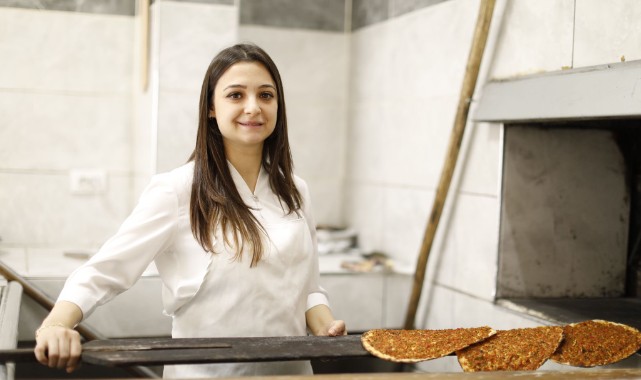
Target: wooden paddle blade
(144, 344)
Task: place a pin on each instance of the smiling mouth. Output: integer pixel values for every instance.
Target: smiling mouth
(250, 124)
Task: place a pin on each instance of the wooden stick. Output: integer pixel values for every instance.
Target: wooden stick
(469, 83)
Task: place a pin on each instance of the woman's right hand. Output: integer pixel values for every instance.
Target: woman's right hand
(58, 346)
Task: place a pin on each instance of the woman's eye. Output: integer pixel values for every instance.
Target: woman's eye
(267, 95)
(234, 95)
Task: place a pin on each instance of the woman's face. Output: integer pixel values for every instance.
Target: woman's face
(245, 105)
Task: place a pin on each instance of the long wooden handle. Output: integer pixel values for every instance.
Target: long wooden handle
(469, 83)
(21, 355)
(17, 355)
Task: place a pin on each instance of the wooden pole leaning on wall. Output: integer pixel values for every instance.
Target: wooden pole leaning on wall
(467, 91)
(43, 300)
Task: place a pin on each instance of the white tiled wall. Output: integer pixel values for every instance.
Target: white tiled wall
(533, 37)
(65, 81)
(39, 211)
(400, 123)
(65, 51)
(53, 130)
(606, 32)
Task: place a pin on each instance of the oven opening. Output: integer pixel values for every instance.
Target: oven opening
(570, 235)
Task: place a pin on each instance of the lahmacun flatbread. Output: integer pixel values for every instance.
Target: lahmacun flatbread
(412, 346)
(596, 342)
(512, 350)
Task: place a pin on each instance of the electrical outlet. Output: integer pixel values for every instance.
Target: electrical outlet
(87, 181)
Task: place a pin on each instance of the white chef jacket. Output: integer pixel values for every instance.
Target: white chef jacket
(211, 295)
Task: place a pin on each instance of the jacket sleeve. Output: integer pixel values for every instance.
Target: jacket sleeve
(317, 295)
(125, 256)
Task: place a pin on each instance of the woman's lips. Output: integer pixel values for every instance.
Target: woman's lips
(250, 123)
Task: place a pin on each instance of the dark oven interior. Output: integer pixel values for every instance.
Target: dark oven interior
(570, 240)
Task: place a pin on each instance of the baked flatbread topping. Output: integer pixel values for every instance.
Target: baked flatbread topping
(596, 342)
(412, 346)
(512, 350)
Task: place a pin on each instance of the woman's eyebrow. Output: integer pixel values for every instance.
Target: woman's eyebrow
(244, 87)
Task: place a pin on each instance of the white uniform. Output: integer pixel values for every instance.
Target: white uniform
(211, 295)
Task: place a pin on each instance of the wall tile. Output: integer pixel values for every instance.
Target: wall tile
(364, 204)
(368, 12)
(444, 318)
(39, 211)
(367, 144)
(65, 51)
(404, 217)
(210, 2)
(55, 262)
(114, 7)
(415, 143)
(327, 200)
(534, 37)
(370, 63)
(400, 7)
(398, 288)
(13, 257)
(48, 131)
(362, 307)
(142, 135)
(313, 132)
(470, 246)
(430, 49)
(480, 159)
(606, 32)
(177, 128)
(328, 15)
(191, 34)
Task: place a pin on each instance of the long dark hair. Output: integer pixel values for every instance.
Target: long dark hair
(215, 201)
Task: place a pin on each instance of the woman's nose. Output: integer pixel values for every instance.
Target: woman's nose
(252, 106)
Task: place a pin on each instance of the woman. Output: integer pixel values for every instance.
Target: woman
(230, 232)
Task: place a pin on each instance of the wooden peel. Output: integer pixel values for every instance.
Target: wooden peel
(27, 355)
(160, 351)
(469, 83)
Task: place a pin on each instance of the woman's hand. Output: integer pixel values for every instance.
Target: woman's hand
(321, 322)
(57, 343)
(58, 347)
(336, 328)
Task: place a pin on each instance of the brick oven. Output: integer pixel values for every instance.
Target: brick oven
(570, 240)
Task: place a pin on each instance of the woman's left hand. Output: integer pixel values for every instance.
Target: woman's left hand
(336, 328)
(321, 322)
